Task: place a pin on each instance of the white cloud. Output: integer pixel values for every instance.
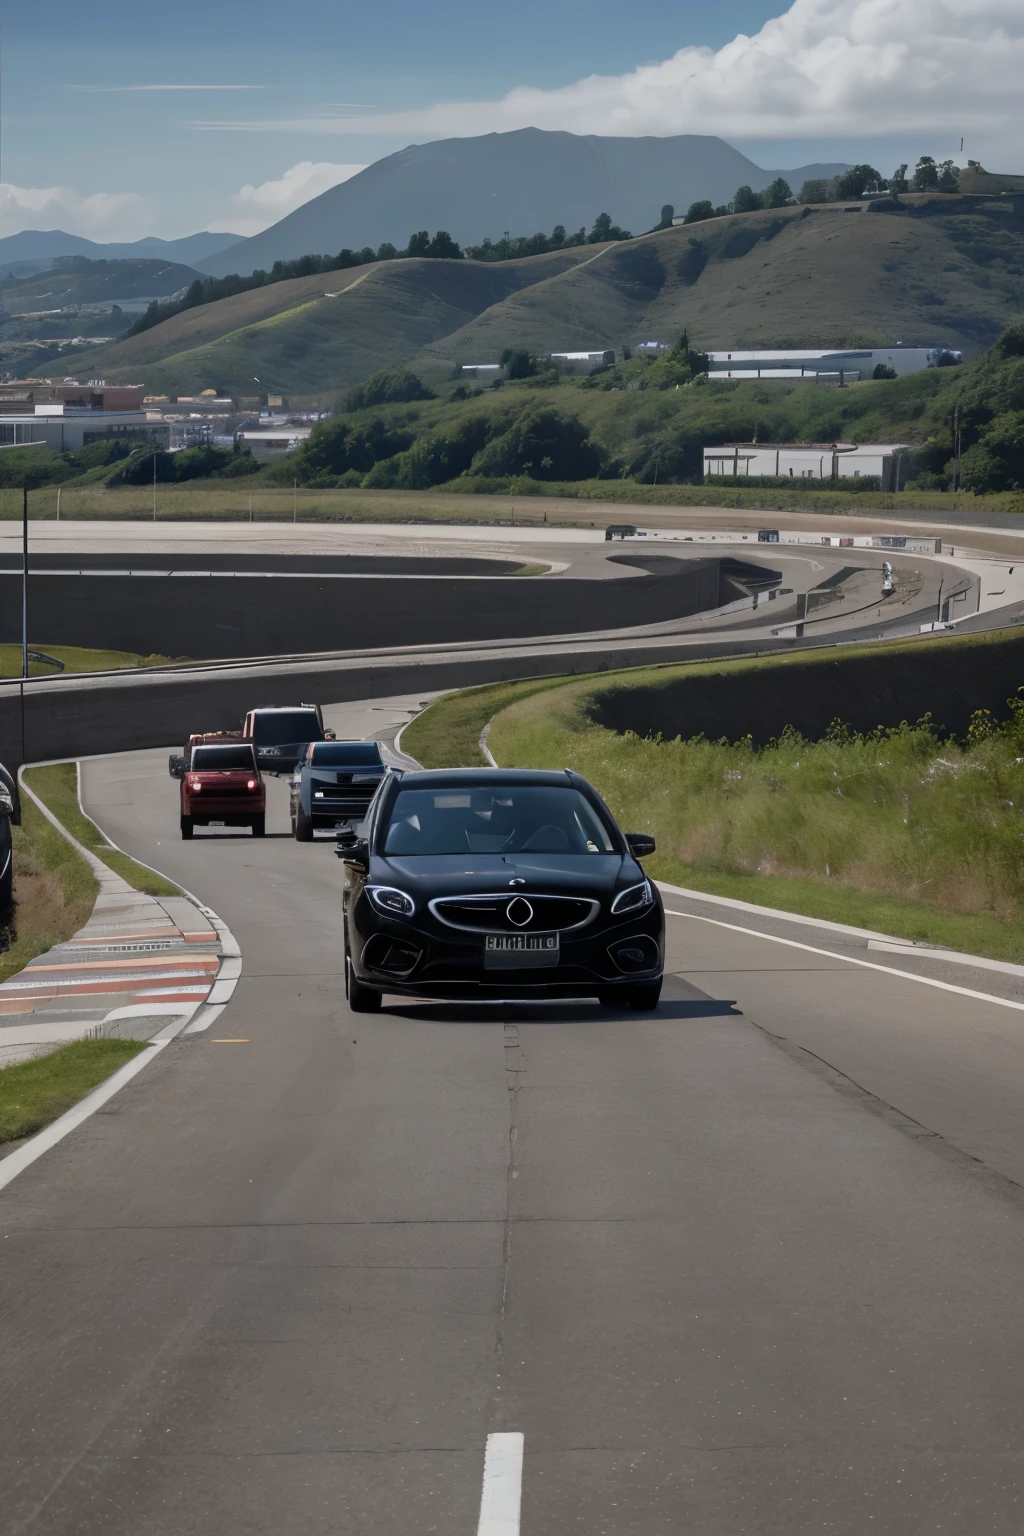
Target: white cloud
(853, 68)
(255, 208)
(100, 216)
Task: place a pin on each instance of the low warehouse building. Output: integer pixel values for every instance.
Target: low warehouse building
(836, 366)
(583, 362)
(808, 461)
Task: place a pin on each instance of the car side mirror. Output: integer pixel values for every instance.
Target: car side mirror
(176, 765)
(640, 844)
(353, 849)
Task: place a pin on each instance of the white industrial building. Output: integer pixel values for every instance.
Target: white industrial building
(808, 461)
(64, 428)
(843, 367)
(583, 362)
(269, 443)
(489, 370)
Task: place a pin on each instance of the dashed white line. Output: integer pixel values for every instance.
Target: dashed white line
(503, 1484)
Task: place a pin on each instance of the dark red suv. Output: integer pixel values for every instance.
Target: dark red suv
(223, 784)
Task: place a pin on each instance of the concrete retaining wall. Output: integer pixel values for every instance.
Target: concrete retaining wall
(948, 678)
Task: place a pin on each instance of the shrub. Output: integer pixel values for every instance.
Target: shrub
(389, 386)
(541, 443)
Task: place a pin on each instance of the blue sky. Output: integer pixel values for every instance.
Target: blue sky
(297, 95)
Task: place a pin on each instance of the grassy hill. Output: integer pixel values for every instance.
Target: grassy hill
(946, 270)
(81, 281)
(312, 335)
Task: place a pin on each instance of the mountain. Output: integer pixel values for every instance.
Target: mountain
(78, 280)
(524, 181)
(946, 271)
(38, 245)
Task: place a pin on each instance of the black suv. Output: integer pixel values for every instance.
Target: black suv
(281, 734)
(9, 816)
(501, 883)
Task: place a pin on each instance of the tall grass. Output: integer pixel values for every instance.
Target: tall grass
(930, 827)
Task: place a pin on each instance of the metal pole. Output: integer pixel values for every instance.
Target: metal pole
(24, 581)
(58, 503)
(154, 482)
(295, 501)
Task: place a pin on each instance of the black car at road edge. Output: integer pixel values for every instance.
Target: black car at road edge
(498, 883)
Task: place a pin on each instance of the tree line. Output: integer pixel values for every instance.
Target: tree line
(441, 246)
(928, 175)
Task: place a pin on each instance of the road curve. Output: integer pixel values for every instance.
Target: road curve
(748, 1266)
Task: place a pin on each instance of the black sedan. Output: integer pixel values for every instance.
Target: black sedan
(334, 784)
(498, 883)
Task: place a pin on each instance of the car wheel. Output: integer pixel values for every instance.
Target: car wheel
(645, 998)
(361, 999)
(259, 826)
(187, 826)
(7, 892)
(303, 827)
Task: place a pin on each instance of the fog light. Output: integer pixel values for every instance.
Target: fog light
(639, 953)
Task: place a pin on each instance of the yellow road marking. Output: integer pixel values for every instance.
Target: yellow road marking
(230, 1042)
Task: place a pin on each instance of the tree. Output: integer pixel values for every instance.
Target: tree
(926, 175)
(604, 230)
(883, 371)
(856, 181)
(444, 246)
(419, 243)
(699, 211)
(387, 251)
(543, 444)
(518, 364)
(557, 236)
(815, 191)
(746, 200)
(949, 177)
(898, 182)
(668, 213)
(778, 194)
(389, 386)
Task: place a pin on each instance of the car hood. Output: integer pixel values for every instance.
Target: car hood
(465, 874)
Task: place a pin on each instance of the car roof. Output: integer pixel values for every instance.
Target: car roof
(443, 778)
(284, 709)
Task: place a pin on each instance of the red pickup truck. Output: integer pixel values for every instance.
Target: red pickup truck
(223, 784)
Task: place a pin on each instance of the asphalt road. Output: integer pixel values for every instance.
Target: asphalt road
(751, 1265)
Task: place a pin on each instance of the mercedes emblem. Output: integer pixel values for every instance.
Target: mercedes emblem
(519, 912)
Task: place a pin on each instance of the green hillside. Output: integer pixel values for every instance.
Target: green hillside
(312, 335)
(944, 270)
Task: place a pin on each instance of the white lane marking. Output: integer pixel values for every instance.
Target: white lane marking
(868, 965)
(43, 1140)
(503, 1484)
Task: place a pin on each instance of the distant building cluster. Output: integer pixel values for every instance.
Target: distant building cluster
(835, 366)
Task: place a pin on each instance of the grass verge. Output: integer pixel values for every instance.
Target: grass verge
(34, 1093)
(57, 787)
(851, 830)
(76, 658)
(54, 890)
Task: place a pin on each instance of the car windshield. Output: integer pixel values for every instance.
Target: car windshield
(222, 759)
(282, 726)
(498, 818)
(345, 754)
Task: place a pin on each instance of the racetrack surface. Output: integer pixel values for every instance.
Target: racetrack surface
(749, 1265)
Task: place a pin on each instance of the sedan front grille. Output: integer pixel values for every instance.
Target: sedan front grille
(514, 912)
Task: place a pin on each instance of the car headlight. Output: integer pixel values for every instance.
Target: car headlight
(634, 899)
(391, 902)
(318, 794)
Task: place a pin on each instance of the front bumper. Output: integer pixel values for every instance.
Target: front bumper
(424, 960)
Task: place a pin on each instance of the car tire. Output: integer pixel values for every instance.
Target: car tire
(361, 998)
(303, 827)
(644, 999)
(259, 826)
(187, 826)
(6, 892)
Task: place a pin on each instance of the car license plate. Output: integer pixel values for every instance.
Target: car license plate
(516, 951)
